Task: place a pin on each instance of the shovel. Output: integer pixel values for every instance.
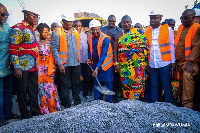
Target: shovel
(102, 89)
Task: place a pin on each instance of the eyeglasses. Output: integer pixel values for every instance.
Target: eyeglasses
(186, 18)
(4, 14)
(112, 21)
(93, 30)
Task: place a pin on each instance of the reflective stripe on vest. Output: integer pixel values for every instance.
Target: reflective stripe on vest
(108, 62)
(188, 39)
(64, 45)
(163, 41)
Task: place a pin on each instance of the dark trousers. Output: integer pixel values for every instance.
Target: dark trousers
(57, 83)
(5, 97)
(28, 84)
(71, 78)
(163, 74)
(148, 90)
(117, 88)
(85, 75)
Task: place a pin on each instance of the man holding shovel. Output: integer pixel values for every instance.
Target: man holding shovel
(100, 54)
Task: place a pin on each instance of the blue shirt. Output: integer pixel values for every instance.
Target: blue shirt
(4, 50)
(102, 75)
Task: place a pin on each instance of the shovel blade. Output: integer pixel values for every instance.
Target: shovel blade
(104, 90)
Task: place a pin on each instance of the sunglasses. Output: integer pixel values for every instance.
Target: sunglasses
(4, 14)
(185, 18)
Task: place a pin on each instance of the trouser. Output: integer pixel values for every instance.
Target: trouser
(71, 78)
(163, 74)
(6, 97)
(197, 89)
(98, 95)
(28, 84)
(187, 83)
(148, 90)
(91, 82)
(57, 83)
(116, 86)
(85, 75)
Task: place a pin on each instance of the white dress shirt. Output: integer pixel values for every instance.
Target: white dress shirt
(155, 54)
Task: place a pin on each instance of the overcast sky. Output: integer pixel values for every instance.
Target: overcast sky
(138, 10)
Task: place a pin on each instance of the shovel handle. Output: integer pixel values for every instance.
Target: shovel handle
(95, 75)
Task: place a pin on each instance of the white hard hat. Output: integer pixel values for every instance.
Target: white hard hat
(30, 9)
(94, 23)
(68, 17)
(197, 11)
(153, 13)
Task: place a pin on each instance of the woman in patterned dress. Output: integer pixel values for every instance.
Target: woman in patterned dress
(47, 97)
(130, 57)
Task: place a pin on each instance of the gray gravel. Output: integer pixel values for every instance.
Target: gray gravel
(100, 116)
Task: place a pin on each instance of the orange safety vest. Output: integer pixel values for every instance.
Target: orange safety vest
(188, 39)
(163, 41)
(64, 45)
(108, 62)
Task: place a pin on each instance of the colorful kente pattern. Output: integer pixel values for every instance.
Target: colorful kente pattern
(133, 64)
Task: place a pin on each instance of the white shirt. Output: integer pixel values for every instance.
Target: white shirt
(155, 54)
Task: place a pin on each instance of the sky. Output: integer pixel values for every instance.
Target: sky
(51, 10)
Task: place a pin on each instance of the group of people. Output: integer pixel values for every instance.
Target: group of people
(46, 67)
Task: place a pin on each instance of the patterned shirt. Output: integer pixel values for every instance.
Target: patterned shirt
(24, 46)
(4, 50)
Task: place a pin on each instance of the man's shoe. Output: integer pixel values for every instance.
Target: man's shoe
(3, 122)
(26, 116)
(14, 116)
(36, 114)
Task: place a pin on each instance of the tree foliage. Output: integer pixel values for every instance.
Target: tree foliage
(195, 3)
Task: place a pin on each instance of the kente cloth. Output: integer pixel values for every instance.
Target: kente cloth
(47, 95)
(133, 64)
(175, 82)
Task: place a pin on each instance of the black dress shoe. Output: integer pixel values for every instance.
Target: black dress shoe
(14, 116)
(26, 116)
(36, 114)
(3, 123)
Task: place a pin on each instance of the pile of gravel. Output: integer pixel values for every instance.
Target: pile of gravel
(100, 116)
